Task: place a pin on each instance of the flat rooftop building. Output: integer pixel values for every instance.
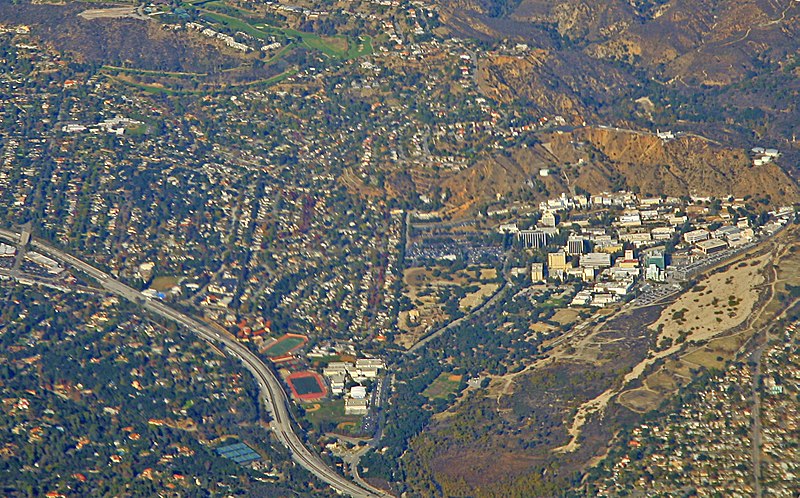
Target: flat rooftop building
(596, 260)
(696, 236)
(662, 233)
(557, 260)
(7, 250)
(353, 406)
(711, 246)
(537, 272)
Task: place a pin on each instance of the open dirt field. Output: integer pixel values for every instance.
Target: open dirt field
(542, 327)
(566, 316)
(734, 305)
(718, 303)
(163, 284)
(112, 13)
(730, 305)
(639, 400)
(471, 301)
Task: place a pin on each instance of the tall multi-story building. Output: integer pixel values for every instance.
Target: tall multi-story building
(537, 272)
(656, 258)
(576, 245)
(549, 219)
(533, 238)
(557, 261)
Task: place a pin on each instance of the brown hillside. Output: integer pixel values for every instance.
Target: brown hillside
(597, 159)
(550, 83)
(689, 165)
(124, 42)
(501, 174)
(721, 68)
(711, 42)
(715, 42)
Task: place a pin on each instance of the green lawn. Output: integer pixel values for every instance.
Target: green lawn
(325, 360)
(442, 386)
(331, 412)
(361, 47)
(316, 42)
(236, 24)
(138, 131)
(283, 346)
(353, 49)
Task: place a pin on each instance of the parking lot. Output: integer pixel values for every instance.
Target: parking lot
(687, 271)
(653, 293)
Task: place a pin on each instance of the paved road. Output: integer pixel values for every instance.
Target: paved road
(272, 392)
(22, 245)
(756, 433)
(756, 437)
(409, 214)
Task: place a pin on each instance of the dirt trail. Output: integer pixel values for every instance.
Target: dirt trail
(737, 280)
(557, 353)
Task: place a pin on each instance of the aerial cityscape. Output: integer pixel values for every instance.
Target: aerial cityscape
(390, 248)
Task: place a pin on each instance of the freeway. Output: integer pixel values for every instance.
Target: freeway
(272, 392)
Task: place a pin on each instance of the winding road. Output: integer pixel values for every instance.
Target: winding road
(273, 394)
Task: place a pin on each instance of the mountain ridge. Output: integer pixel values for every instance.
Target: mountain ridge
(597, 159)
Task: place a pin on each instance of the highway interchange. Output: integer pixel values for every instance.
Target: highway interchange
(272, 391)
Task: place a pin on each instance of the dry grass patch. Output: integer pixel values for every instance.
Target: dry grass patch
(541, 327)
(566, 316)
(728, 345)
(679, 367)
(640, 400)
(707, 313)
(423, 286)
(662, 382)
(705, 357)
(723, 301)
(474, 299)
(165, 283)
(488, 274)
